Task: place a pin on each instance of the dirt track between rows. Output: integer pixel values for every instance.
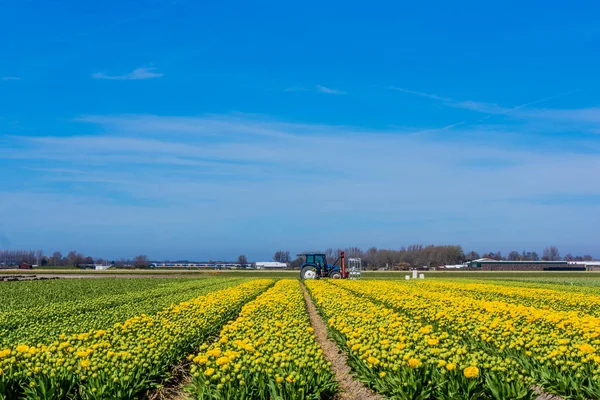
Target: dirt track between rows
(350, 388)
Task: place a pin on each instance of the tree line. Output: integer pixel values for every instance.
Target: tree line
(15, 257)
(405, 257)
(72, 259)
(37, 257)
(429, 256)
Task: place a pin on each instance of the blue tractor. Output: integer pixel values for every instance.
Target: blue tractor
(315, 267)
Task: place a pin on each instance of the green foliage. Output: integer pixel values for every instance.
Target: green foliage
(44, 323)
(127, 358)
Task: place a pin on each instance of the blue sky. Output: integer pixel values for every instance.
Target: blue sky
(184, 129)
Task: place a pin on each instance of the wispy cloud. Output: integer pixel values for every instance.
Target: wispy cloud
(208, 177)
(585, 119)
(295, 89)
(324, 89)
(589, 115)
(443, 128)
(492, 108)
(10, 78)
(582, 118)
(210, 140)
(482, 107)
(422, 94)
(239, 126)
(136, 74)
(316, 88)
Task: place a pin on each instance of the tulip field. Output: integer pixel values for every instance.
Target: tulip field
(268, 352)
(252, 338)
(123, 358)
(461, 340)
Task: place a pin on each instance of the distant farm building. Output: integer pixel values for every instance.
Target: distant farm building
(455, 266)
(485, 264)
(588, 265)
(270, 265)
(192, 264)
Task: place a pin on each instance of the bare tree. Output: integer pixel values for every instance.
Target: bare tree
(74, 258)
(527, 255)
(331, 255)
(297, 263)
(56, 258)
(141, 261)
(369, 257)
(38, 256)
(551, 254)
(354, 252)
(281, 256)
(122, 262)
(242, 260)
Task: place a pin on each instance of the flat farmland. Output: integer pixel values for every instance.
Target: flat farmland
(241, 335)
(588, 278)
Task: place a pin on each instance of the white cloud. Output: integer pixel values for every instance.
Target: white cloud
(211, 177)
(589, 115)
(136, 74)
(485, 108)
(576, 118)
(236, 125)
(428, 95)
(587, 119)
(482, 107)
(261, 147)
(10, 78)
(323, 89)
(316, 88)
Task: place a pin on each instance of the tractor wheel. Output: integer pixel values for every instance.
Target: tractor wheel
(335, 275)
(309, 272)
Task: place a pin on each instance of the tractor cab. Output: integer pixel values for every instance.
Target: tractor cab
(315, 267)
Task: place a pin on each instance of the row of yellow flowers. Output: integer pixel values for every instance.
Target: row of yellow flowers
(556, 349)
(268, 352)
(44, 323)
(406, 358)
(503, 325)
(585, 300)
(121, 361)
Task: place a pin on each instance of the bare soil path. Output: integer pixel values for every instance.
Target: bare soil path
(351, 389)
(545, 396)
(172, 389)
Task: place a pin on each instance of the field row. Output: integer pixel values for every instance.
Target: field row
(268, 352)
(125, 359)
(45, 323)
(584, 300)
(428, 340)
(35, 293)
